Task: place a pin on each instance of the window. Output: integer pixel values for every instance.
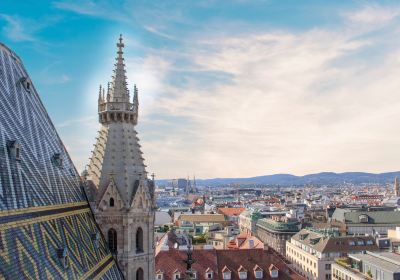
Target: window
(63, 256)
(112, 240)
(209, 275)
(363, 218)
(139, 240)
(328, 266)
(194, 275)
(57, 159)
(139, 274)
(111, 202)
(243, 275)
(258, 274)
(177, 275)
(96, 239)
(227, 275)
(159, 276)
(14, 149)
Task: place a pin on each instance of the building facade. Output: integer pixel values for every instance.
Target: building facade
(366, 221)
(276, 231)
(312, 252)
(369, 265)
(117, 183)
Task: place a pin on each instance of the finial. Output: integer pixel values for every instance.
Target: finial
(120, 45)
(100, 92)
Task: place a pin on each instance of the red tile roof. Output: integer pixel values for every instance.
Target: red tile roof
(231, 211)
(169, 261)
(248, 259)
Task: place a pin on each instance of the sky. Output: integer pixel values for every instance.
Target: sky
(233, 88)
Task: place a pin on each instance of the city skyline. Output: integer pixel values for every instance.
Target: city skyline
(226, 90)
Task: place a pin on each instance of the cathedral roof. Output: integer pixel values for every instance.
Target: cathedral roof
(46, 224)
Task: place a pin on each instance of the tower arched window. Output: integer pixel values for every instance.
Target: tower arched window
(139, 274)
(139, 240)
(111, 202)
(112, 240)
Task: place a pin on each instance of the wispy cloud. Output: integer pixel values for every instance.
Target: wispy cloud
(295, 102)
(154, 30)
(374, 14)
(16, 29)
(25, 29)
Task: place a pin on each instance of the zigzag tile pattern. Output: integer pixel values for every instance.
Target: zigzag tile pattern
(43, 208)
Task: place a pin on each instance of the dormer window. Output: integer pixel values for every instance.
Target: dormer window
(209, 274)
(14, 149)
(57, 160)
(96, 239)
(26, 83)
(194, 275)
(363, 218)
(111, 202)
(273, 271)
(176, 275)
(258, 272)
(63, 256)
(159, 275)
(242, 273)
(226, 273)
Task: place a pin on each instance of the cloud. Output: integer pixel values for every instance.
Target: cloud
(104, 9)
(16, 29)
(374, 14)
(263, 101)
(25, 29)
(155, 31)
(292, 102)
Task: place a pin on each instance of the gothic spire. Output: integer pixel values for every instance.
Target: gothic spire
(135, 95)
(119, 90)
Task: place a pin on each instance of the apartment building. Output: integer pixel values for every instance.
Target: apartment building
(313, 251)
(370, 265)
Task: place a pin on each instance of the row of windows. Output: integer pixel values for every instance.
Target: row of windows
(113, 242)
(176, 276)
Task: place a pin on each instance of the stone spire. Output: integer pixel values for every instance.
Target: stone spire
(119, 91)
(117, 183)
(396, 187)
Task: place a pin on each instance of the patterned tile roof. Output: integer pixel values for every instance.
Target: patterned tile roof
(47, 229)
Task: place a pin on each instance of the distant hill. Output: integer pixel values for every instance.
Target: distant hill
(324, 178)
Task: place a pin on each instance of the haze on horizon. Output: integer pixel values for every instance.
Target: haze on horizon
(226, 88)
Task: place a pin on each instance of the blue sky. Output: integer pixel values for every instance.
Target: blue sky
(226, 88)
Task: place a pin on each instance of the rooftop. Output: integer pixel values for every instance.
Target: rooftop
(280, 226)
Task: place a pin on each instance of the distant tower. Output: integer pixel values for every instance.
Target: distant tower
(120, 193)
(187, 189)
(194, 188)
(396, 187)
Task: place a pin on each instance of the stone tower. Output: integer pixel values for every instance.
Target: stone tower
(396, 187)
(117, 186)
